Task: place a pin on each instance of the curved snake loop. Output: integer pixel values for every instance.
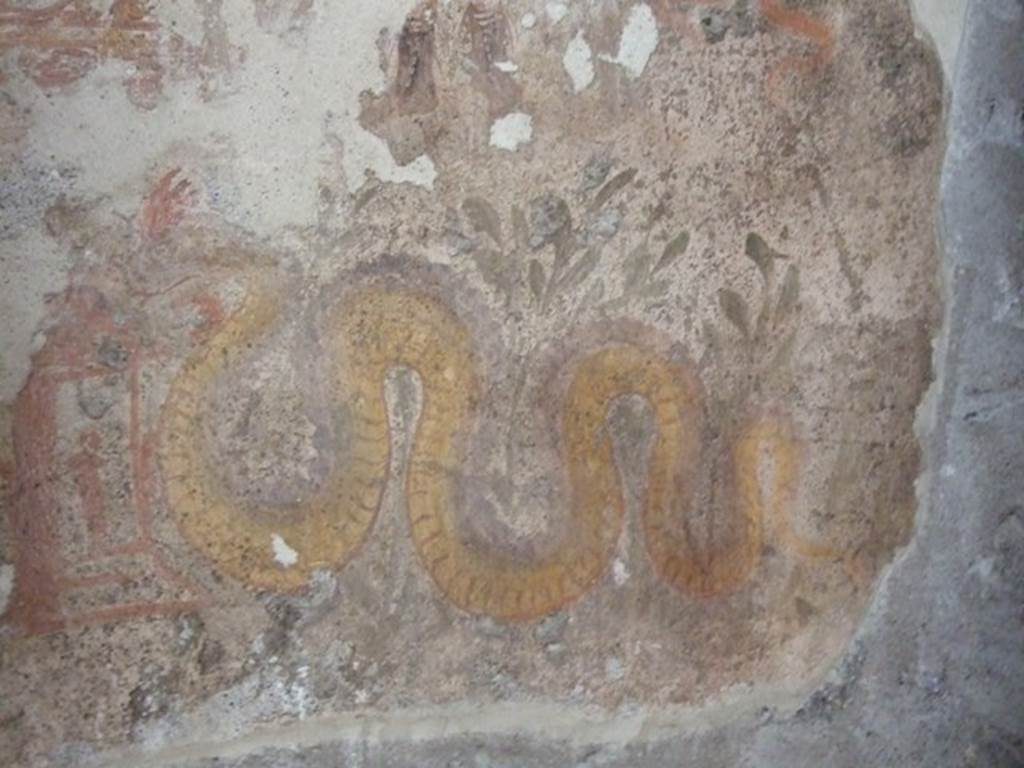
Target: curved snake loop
(377, 330)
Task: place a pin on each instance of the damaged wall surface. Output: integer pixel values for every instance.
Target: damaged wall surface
(511, 383)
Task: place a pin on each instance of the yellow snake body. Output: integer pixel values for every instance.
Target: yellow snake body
(376, 330)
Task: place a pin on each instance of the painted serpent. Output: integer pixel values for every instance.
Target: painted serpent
(378, 329)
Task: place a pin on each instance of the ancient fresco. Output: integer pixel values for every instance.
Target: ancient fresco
(57, 44)
(616, 406)
(383, 329)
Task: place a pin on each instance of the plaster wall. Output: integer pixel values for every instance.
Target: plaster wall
(511, 384)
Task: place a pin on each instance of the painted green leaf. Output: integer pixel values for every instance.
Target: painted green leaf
(676, 247)
(520, 228)
(495, 269)
(735, 309)
(789, 295)
(637, 267)
(764, 315)
(565, 246)
(581, 269)
(784, 353)
(537, 279)
(483, 217)
(656, 288)
(762, 254)
(607, 192)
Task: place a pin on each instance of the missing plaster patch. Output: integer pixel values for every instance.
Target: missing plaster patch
(620, 574)
(284, 554)
(578, 62)
(512, 131)
(365, 153)
(638, 41)
(556, 11)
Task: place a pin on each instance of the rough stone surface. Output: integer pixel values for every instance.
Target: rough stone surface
(335, 431)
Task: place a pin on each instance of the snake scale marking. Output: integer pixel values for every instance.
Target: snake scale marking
(379, 329)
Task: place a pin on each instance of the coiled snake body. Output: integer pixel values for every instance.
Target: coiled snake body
(378, 329)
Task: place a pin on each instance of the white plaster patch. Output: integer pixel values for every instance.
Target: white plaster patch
(506, 66)
(284, 554)
(529, 20)
(556, 11)
(578, 62)
(32, 266)
(638, 41)
(6, 585)
(276, 126)
(620, 574)
(365, 152)
(512, 131)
